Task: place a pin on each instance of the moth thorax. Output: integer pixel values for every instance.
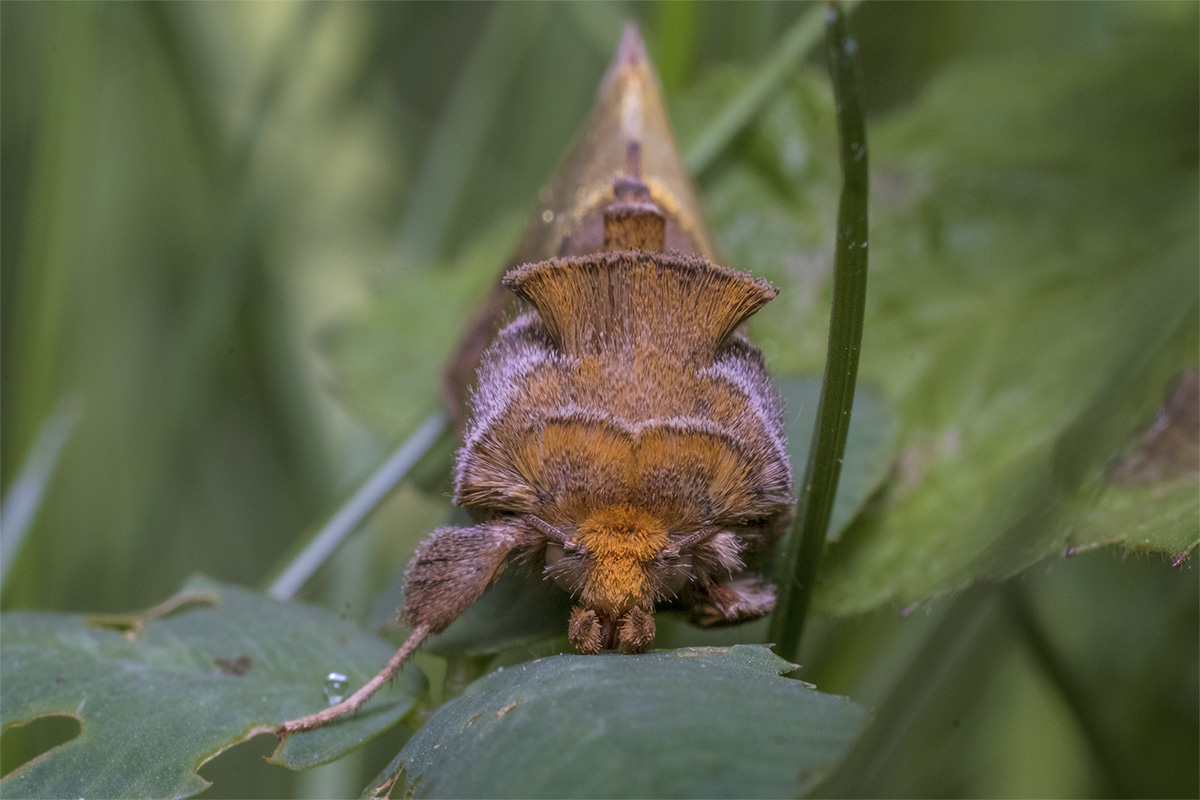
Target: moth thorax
(621, 542)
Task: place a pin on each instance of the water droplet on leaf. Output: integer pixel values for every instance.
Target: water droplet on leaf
(335, 687)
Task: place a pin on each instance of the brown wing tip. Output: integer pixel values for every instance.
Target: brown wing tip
(631, 55)
(514, 279)
(632, 49)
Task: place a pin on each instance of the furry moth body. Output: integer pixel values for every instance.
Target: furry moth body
(623, 437)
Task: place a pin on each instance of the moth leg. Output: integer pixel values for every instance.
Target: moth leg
(445, 576)
(451, 569)
(731, 602)
(354, 701)
(584, 630)
(636, 631)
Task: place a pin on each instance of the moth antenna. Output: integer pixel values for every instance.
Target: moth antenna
(545, 527)
(355, 701)
(689, 540)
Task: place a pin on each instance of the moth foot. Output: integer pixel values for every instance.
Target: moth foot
(733, 602)
(584, 630)
(637, 631)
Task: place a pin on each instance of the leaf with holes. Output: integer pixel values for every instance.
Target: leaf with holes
(162, 696)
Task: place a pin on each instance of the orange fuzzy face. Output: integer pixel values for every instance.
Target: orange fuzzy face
(619, 544)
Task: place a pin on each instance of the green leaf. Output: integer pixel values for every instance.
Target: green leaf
(1033, 270)
(1147, 499)
(1150, 517)
(698, 722)
(161, 697)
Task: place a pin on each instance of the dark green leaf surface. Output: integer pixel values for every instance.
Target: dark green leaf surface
(702, 722)
(154, 708)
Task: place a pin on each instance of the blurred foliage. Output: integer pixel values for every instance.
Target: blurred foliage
(1029, 308)
(207, 205)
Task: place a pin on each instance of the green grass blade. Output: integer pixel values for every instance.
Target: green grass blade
(799, 567)
(459, 136)
(795, 45)
(28, 490)
(321, 543)
(40, 276)
(1107, 756)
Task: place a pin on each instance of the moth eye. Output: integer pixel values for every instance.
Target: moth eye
(555, 551)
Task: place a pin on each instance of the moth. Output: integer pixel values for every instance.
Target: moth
(621, 434)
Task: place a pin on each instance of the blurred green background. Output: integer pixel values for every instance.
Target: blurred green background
(195, 196)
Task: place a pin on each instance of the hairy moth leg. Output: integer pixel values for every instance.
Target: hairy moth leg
(637, 630)
(730, 602)
(445, 576)
(585, 631)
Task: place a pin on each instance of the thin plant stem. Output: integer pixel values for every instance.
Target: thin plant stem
(316, 548)
(807, 539)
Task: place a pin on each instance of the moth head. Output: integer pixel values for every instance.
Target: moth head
(618, 558)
